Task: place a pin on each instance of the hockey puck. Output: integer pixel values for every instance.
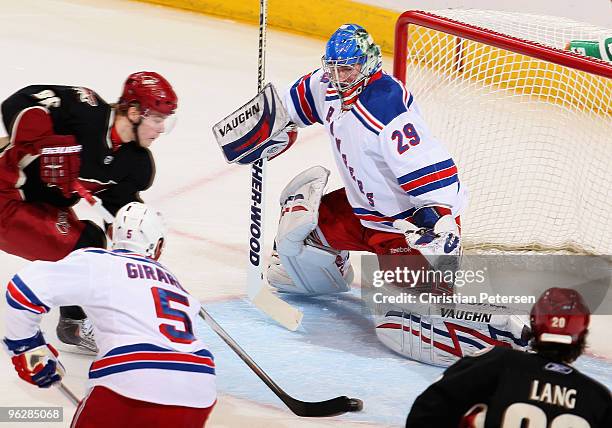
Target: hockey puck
(354, 405)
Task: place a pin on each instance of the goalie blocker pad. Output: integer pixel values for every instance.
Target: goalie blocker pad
(243, 135)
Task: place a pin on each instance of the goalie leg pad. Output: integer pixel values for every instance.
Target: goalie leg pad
(434, 335)
(301, 265)
(299, 203)
(315, 271)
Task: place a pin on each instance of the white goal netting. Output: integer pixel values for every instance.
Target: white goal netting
(532, 139)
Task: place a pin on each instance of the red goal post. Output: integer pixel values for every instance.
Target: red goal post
(492, 38)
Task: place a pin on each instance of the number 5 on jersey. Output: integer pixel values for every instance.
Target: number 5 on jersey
(162, 300)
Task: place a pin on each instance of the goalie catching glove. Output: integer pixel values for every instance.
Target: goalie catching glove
(258, 130)
(35, 360)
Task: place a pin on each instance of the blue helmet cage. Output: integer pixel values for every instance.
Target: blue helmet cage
(350, 45)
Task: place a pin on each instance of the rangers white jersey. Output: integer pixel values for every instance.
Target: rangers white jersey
(389, 161)
(143, 323)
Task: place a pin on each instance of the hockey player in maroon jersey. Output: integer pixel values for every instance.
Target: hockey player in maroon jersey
(506, 388)
(62, 135)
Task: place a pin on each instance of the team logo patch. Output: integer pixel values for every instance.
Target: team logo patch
(62, 224)
(558, 368)
(87, 96)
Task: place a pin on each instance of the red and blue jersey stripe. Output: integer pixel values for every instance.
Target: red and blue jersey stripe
(366, 118)
(19, 296)
(429, 178)
(303, 101)
(377, 217)
(146, 356)
(331, 94)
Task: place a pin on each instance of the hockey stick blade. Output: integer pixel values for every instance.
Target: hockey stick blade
(335, 406)
(277, 309)
(317, 409)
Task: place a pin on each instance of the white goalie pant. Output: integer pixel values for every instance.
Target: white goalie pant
(303, 262)
(442, 334)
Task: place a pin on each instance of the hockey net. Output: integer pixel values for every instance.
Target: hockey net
(528, 124)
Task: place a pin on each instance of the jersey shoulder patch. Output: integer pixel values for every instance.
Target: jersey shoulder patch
(383, 100)
(86, 95)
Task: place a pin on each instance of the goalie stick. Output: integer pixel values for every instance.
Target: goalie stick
(334, 406)
(259, 294)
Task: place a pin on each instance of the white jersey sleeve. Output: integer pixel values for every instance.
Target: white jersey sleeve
(422, 166)
(305, 98)
(38, 288)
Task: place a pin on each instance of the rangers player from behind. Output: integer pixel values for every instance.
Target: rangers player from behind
(401, 196)
(151, 370)
(505, 388)
(63, 135)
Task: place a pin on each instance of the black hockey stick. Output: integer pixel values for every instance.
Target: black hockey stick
(335, 406)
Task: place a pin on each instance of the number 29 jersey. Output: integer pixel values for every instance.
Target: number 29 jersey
(143, 323)
(389, 162)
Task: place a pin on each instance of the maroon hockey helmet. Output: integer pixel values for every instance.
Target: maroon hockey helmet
(560, 316)
(151, 91)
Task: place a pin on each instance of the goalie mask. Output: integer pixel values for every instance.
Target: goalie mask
(351, 58)
(138, 228)
(560, 316)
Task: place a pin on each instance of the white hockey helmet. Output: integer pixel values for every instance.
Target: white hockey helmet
(138, 228)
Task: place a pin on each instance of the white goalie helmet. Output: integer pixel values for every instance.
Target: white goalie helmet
(138, 228)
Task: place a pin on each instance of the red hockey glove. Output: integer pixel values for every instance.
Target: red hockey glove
(60, 162)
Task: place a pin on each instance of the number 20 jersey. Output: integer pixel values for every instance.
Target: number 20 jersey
(389, 162)
(143, 323)
(519, 389)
